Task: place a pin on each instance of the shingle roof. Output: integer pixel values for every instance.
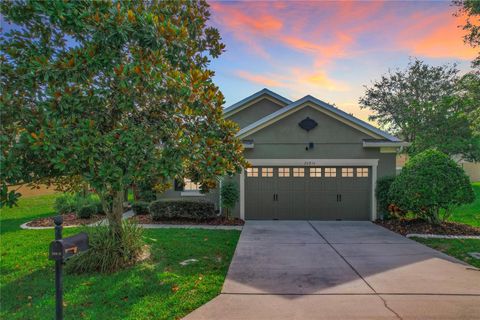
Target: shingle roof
(321, 104)
(229, 110)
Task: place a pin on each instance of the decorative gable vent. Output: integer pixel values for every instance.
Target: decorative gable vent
(308, 124)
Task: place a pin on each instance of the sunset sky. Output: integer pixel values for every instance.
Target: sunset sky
(329, 49)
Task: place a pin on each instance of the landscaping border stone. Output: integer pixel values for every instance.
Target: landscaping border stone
(439, 236)
(129, 214)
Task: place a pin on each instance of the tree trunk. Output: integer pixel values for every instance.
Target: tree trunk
(116, 212)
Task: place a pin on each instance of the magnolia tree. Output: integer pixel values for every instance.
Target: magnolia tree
(110, 94)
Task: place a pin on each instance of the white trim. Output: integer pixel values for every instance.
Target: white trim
(377, 144)
(257, 96)
(321, 106)
(313, 162)
(245, 132)
(280, 104)
(192, 193)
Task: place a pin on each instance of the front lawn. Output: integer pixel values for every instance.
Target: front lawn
(458, 248)
(469, 213)
(159, 288)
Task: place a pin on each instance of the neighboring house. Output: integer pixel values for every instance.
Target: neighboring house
(309, 160)
(472, 169)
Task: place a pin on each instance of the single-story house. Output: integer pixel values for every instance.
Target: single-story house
(309, 160)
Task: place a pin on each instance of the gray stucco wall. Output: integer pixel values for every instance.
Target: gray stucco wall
(332, 140)
(255, 112)
(286, 140)
(209, 196)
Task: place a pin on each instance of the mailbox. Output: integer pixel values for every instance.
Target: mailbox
(65, 248)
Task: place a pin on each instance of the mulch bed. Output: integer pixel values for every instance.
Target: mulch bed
(406, 226)
(147, 219)
(69, 219)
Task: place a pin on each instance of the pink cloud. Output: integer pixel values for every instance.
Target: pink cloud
(326, 31)
(437, 36)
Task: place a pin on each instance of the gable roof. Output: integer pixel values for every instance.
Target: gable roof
(321, 106)
(234, 108)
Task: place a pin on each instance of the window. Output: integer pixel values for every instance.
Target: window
(362, 172)
(315, 172)
(267, 172)
(284, 172)
(330, 172)
(298, 172)
(190, 186)
(252, 172)
(347, 172)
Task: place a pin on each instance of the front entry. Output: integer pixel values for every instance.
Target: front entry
(308, 193)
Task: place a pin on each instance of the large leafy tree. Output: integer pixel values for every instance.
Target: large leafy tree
(110, 94)
(471, 10)
(430, 106)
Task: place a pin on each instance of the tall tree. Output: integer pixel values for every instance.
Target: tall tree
(430, 106)
(111, 93)
(471, 10)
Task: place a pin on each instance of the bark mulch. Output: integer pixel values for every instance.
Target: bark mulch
(147, 219)
(406, 226)
(69, 219)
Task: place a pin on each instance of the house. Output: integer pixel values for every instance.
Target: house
(309, 160)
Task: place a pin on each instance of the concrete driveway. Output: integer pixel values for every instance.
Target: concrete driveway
(340, 270)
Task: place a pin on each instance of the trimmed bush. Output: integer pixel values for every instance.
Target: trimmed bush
(431, 183)
(182, 209)
(87, 211)
(230, 195)
(65, 204)
(383, 201)
(108, 252)
(140, 207)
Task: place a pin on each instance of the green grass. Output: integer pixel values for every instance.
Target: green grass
(159, 288)
(469, 213)
(458, 248)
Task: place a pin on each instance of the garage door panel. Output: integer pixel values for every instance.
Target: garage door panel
(321, 194)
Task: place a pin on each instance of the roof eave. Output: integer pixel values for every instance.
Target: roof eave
(379, 144)
(231, 109)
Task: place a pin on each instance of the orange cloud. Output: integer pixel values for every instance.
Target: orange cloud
(237, 20)
(438, 37)
(299, 81)
(329, 30)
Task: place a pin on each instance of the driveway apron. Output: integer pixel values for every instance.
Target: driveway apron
(340, 270)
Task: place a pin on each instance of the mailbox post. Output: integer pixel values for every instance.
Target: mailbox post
(58, 220)
(60, 250)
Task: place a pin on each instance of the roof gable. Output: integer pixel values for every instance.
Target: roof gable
(323, 107)
(250, 100)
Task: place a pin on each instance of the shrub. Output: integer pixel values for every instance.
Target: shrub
(229, 194)
(65, 204)
(87, 211)
(146, 190)
(99, 207)
(140, 207)
(381, 192)
(431, 183)
(109, 252)
(180, 208)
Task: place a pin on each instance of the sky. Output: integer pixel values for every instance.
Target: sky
(329, 49)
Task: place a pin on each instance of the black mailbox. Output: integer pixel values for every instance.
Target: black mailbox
(65, 248)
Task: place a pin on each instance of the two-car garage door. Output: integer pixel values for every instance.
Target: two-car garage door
(315, 193)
